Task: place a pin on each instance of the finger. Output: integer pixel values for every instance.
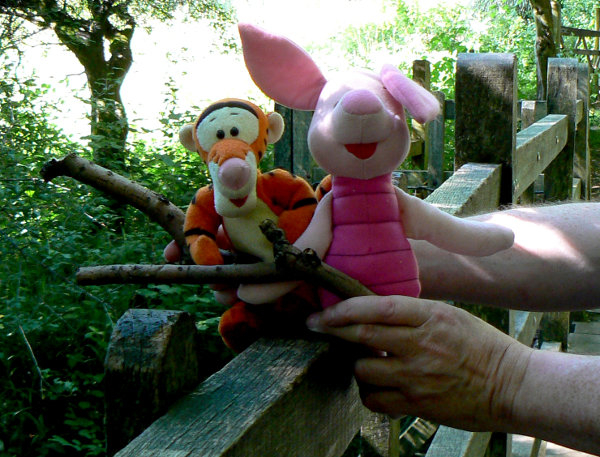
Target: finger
(172, 252)
(377, 337)
(227, 297)
(388, 310)
(381, 372)
(387, 401)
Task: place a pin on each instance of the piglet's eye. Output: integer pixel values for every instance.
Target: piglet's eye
(220, 134)
(234, 131)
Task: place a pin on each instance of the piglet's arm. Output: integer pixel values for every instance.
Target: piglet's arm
(317, 236)
(423, 221)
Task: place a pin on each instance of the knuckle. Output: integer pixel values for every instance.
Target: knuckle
(387, 308)
(366, 334)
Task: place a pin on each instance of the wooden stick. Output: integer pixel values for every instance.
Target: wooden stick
(290, 264)
(158, 207)
(180, 274)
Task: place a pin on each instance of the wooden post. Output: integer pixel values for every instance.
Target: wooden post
(421, 74)
(486, 113)
(291, 151)
(562, 97)
(582, 164)
(531, 112)
(151, 360)
(435, 145)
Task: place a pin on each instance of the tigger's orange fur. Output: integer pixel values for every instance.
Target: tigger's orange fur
(232, 202)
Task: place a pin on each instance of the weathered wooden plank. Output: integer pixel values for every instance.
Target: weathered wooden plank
(555, 327)
(523, 325)
(278, 397)
(532, 111)
(579, 32)
(577, 189)
(415, 436)
(151, 359)
(291, 151)
(589, 328)
(579, 108)
(586, 52)
(419, 147)
(472, 189)
(376, 436)
(451, 442)
(435, 139)
(583, 344)
(582, 167)
(562, 96)
(283, 148)
(536, 147)
(486, 132)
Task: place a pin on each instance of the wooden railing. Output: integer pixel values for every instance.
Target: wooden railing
(298, 398)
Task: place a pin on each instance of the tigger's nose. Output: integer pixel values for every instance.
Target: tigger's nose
(234, 173)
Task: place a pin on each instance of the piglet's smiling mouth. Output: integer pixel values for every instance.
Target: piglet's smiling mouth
(361, 150)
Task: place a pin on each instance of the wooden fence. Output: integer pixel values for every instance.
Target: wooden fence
(298, 398)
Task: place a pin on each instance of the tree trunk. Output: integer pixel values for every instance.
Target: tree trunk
(546, 45)
(87, 39)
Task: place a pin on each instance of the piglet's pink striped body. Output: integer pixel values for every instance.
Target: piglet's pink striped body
(369, 242)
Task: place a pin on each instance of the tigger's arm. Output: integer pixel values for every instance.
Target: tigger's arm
(294, 197)
(200, 228)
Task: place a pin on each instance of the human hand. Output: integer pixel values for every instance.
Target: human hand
(442, 363)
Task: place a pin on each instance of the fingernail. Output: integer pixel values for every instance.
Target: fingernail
(313, 322)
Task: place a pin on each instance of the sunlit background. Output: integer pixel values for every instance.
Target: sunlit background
(187, 56)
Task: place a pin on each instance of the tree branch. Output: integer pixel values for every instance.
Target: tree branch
(290, 264)
(180, 274)
(158, 208)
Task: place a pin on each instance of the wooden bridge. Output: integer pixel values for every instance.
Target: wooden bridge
(297, 397)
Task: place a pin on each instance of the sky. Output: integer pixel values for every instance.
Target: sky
(184, 54)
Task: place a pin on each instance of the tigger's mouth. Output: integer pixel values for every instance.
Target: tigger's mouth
(361, 151)
(239, 202)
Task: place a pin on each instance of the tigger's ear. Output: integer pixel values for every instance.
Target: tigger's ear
(276, 126)
(186, 137)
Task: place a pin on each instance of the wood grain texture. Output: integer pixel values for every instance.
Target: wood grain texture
(582, 167)
(536, 147)
(562, 97)
(472, 189)
(277, 398)
(486, 112)
(451, 442)
(151, 359)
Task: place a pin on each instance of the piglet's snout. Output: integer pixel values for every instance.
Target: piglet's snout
(234, 173)
(361, 102)
(361, 117)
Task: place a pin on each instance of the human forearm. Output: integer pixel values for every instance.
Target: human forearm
(558, 400)
(554, 263)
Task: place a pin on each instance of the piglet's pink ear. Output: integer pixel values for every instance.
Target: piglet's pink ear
(281, 69)
(420, 103)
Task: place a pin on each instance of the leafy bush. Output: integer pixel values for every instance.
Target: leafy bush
(54, 333)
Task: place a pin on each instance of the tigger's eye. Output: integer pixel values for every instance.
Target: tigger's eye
(227, 122)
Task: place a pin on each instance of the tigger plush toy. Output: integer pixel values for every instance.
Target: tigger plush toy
(359, 135)
(231, 136)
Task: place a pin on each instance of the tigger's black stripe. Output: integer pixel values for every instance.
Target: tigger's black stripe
(304, 202)
(229, 104)
(198, 231)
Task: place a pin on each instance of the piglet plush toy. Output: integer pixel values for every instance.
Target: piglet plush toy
(360, 136)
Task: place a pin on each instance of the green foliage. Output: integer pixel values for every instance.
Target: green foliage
(54, 333)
